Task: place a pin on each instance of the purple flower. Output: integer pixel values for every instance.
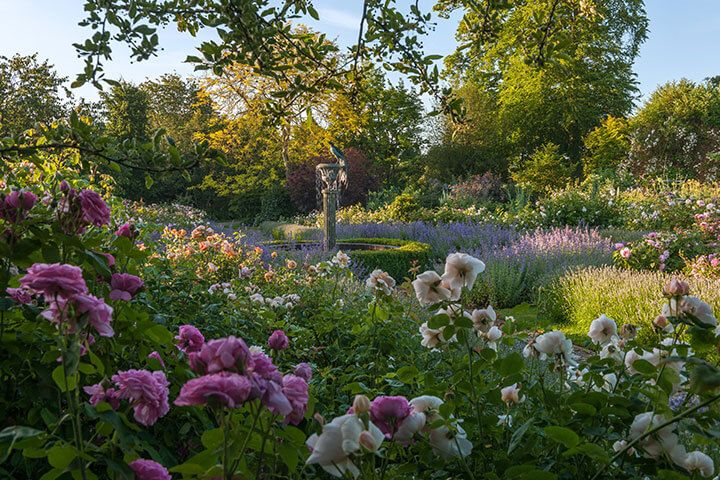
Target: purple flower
(55, 279)
(15, 205)
(126, 230)
(219, 389)
(20, 295)
(98, 312)
(278, 340)
(98, 394)
(224, 354)
(272, 396)
(149, 470)
(264, 366)
(156, 356)
(58, 313)
(295, 390)
(388, 412)
(94, 208)
(303, 370)
(147, 392)
(110, 259)
(189, 339)
(124, 286)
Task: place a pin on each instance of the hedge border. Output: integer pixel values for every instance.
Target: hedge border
(395, 261)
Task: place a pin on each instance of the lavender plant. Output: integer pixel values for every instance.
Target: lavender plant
(515, 272)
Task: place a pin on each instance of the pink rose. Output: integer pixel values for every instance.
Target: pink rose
(55, 279)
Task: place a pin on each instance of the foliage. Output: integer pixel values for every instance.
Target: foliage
(670, 251)
(555, 68)
(400, 262)
(30, 92)
(674, 132)
(476, 190)
(260, 36)
(515, 273)
(606, 146)
(302, 183)
(546, 169)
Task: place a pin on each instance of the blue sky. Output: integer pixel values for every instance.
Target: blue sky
(683, 39)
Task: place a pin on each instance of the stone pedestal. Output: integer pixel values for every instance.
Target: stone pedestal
(329, 206)
(328, 174)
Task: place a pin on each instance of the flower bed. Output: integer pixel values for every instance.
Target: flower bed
(196, 355)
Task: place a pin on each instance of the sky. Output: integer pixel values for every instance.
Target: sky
(682, 43)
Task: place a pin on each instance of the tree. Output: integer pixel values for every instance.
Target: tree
(606, 147)
(30, 92)
(674, 132)
(555, 68)
(382, 120)
(169, 104)
(126, 111)
(262, 35)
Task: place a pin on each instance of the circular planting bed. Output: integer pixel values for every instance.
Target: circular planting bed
(392, 255)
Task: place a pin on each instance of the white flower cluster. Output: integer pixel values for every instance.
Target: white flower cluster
(348, 437)
(226, 289)
(287, 301)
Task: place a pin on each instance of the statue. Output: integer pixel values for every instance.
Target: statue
(330, 179)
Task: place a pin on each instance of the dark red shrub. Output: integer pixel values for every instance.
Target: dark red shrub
(301, 180)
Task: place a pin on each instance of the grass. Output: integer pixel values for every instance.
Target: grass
(627, 296)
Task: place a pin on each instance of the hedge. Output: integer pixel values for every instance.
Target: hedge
(395, 261)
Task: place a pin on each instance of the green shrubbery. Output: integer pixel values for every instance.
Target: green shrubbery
(396, 261)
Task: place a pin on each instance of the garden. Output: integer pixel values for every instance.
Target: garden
(511, 296)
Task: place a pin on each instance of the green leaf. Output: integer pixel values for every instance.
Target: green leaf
(584, 409)
(289, 455)
(438, 321)
(12, 434)
(463, 322)
(511, 364)
(644, 367)
(407, 374)
(149, 181)
(562, 435)
(518, 435)
(591, 450)
(58, 375)
(159, 334)
(212, 439)
(61, 456)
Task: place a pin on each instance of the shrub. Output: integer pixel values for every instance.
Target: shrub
(405, 208)
(606, 146)
(577, 298)
(514, 273)
(396, 261)
(588, 206)
(477, 189)
(546, 169)
(302, 188)
(674, 132)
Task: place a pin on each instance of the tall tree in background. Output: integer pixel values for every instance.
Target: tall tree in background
(30, 91)
(676, 133)
(126, 111)
(551, 70)
(173, 105)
